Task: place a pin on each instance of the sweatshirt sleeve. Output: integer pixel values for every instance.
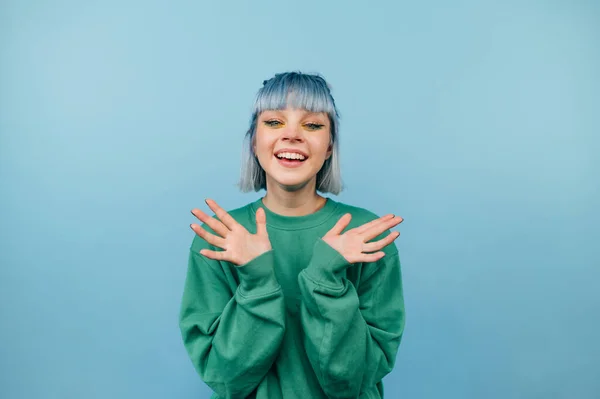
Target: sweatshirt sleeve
(232, 338)
(351, 335)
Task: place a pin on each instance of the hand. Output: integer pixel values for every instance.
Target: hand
(240, 246)
(352, 245)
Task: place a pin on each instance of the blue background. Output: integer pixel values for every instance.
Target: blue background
(477, 122)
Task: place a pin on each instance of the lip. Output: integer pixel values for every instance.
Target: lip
(288, 164)
(305, 155)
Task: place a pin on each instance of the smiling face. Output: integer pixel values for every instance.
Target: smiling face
(292, 145)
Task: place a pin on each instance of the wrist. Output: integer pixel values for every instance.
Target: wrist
(258, 274)
(327, 264)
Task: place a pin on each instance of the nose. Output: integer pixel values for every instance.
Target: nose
(292, 133)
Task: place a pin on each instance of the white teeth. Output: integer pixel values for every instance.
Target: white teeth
(291, 155)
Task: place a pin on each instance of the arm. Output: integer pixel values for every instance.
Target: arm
(232, 338)
(351, 335)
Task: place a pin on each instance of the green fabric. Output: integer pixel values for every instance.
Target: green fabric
(298, 321)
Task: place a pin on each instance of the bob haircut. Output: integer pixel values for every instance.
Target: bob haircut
(301, 91)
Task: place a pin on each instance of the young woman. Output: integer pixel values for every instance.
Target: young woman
(294, 295)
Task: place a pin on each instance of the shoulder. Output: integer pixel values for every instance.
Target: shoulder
(359, 214)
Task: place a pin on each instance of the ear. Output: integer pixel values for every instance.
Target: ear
(329, 151)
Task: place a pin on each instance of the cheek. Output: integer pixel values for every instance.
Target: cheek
(262, 145)
(320, 147)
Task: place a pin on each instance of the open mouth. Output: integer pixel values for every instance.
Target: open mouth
(290, 160)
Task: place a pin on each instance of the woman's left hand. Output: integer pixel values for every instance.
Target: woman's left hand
(240, 246)
(354, 244)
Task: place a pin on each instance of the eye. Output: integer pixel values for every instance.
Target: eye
(314, 126)
(273, 123)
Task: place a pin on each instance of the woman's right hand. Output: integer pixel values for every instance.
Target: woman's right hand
(240, 246)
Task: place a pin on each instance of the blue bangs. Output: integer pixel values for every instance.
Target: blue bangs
(295, 90)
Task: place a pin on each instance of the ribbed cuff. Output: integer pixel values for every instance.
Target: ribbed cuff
(258, 275)
(326, 265)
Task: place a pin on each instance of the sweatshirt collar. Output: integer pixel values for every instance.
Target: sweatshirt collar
(295, 222)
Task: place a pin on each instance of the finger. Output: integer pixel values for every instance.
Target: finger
(261, 222)
(377, 245)
(209, 238)
(222, 215)
(375, 230)
(341, 224)
(213, 223)
(216, 255)
(372, 223)
(366, 258)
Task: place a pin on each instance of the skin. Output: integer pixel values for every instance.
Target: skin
(291, 192)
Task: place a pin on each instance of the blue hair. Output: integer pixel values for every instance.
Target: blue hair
(296, 90)
(300, 91)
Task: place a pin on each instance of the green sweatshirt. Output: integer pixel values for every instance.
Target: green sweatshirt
(298, 321)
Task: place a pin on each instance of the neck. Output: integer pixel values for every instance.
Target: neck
(299, 202)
